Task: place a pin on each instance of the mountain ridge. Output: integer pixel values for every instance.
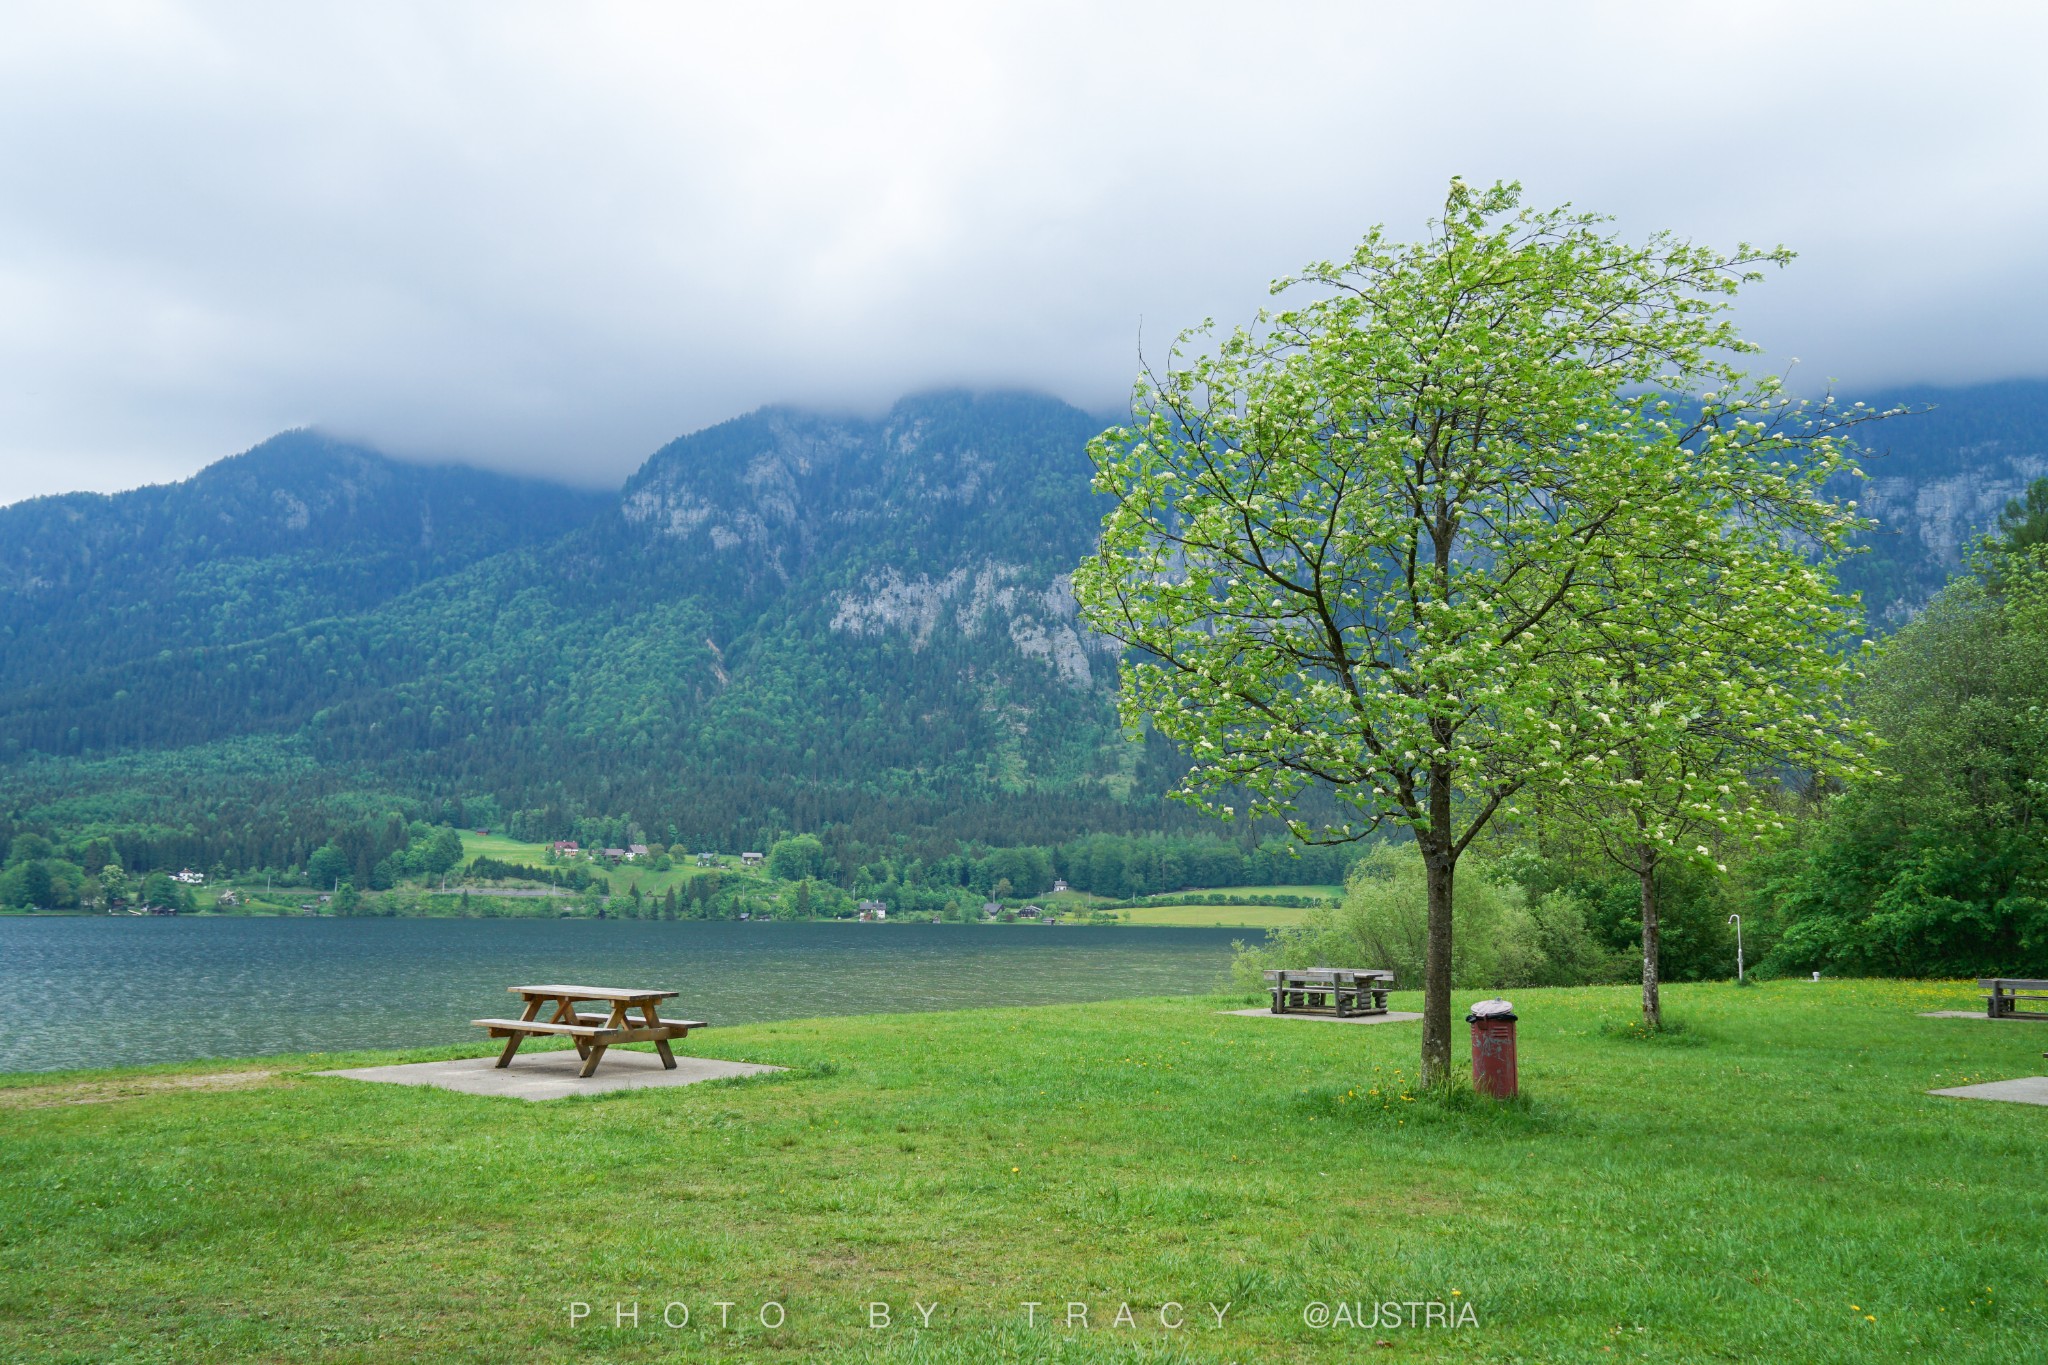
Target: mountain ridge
(781, 621)
(682, 640)
(297, 527)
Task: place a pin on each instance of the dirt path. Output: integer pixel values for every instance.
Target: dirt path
(108, 1091)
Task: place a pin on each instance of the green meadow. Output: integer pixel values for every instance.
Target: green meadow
(1769, 1183)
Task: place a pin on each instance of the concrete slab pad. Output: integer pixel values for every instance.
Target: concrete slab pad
(1980, 1014)
(552, 1075)
(1390, 1017)
(2025, 1090)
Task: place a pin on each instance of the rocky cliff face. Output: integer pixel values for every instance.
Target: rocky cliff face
(953, 516)
(989, 599)
(1936, 481)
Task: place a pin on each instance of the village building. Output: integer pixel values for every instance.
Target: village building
(873, 910)
(1030, 912)
(750, 860)
(636, 851)
(190, 878)
(707, 860)
(1059, 886)
(991, 908)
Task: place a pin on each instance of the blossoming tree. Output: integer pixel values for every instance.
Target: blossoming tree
(1365, 545)
(1715, 674)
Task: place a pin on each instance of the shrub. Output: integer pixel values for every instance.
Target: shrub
(1501, 938)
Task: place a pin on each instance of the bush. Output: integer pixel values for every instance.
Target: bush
(1501, 937)
(799, 858)
(327, 866)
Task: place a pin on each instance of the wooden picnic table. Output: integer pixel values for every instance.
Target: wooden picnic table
(2003, 994)
(592, 1033)
(1342, 991)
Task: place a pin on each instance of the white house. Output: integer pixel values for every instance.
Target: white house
(190, 878)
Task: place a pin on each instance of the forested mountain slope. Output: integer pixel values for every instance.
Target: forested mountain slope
(298, 528)
(788, 620)
(785, 619)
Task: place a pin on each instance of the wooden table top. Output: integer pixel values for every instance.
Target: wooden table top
(1328, 974)
(588, 993)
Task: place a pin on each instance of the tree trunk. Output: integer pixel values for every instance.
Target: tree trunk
(1646, 871)
(1436, 974)
(1439, 857)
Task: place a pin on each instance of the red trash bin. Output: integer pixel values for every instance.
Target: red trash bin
(1493, 1048)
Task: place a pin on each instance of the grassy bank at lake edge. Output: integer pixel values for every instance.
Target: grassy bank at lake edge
(1729, 1194)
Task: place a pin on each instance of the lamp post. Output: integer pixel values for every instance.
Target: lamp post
(1736, 920)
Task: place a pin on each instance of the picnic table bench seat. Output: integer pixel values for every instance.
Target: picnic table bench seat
(500, 1027)
(1345, 992)
(590, 1025)
(602, 1020)
(2003, 994)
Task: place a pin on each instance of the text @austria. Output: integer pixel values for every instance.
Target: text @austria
(882, 1315)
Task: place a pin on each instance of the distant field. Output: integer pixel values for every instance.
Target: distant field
(505, 850)
(1216, 916)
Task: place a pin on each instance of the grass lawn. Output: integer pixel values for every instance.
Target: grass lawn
(1775, 1188)
(1216, 916)
(504, 849)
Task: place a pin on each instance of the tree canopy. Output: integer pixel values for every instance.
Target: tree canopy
(1395, 542)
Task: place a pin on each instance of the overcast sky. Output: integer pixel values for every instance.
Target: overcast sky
(549, 237)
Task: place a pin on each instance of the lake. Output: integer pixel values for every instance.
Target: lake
(109, 991)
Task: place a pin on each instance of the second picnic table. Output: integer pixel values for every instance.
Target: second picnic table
(592, 1033)
(2004, 994)
(1342, 991)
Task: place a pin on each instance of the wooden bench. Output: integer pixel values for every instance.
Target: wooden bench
(592, 1033)
(2003, 994)
(1345, 992)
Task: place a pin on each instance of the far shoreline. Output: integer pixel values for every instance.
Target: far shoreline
(624, 919)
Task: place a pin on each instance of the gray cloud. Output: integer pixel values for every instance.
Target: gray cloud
(547, 238)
